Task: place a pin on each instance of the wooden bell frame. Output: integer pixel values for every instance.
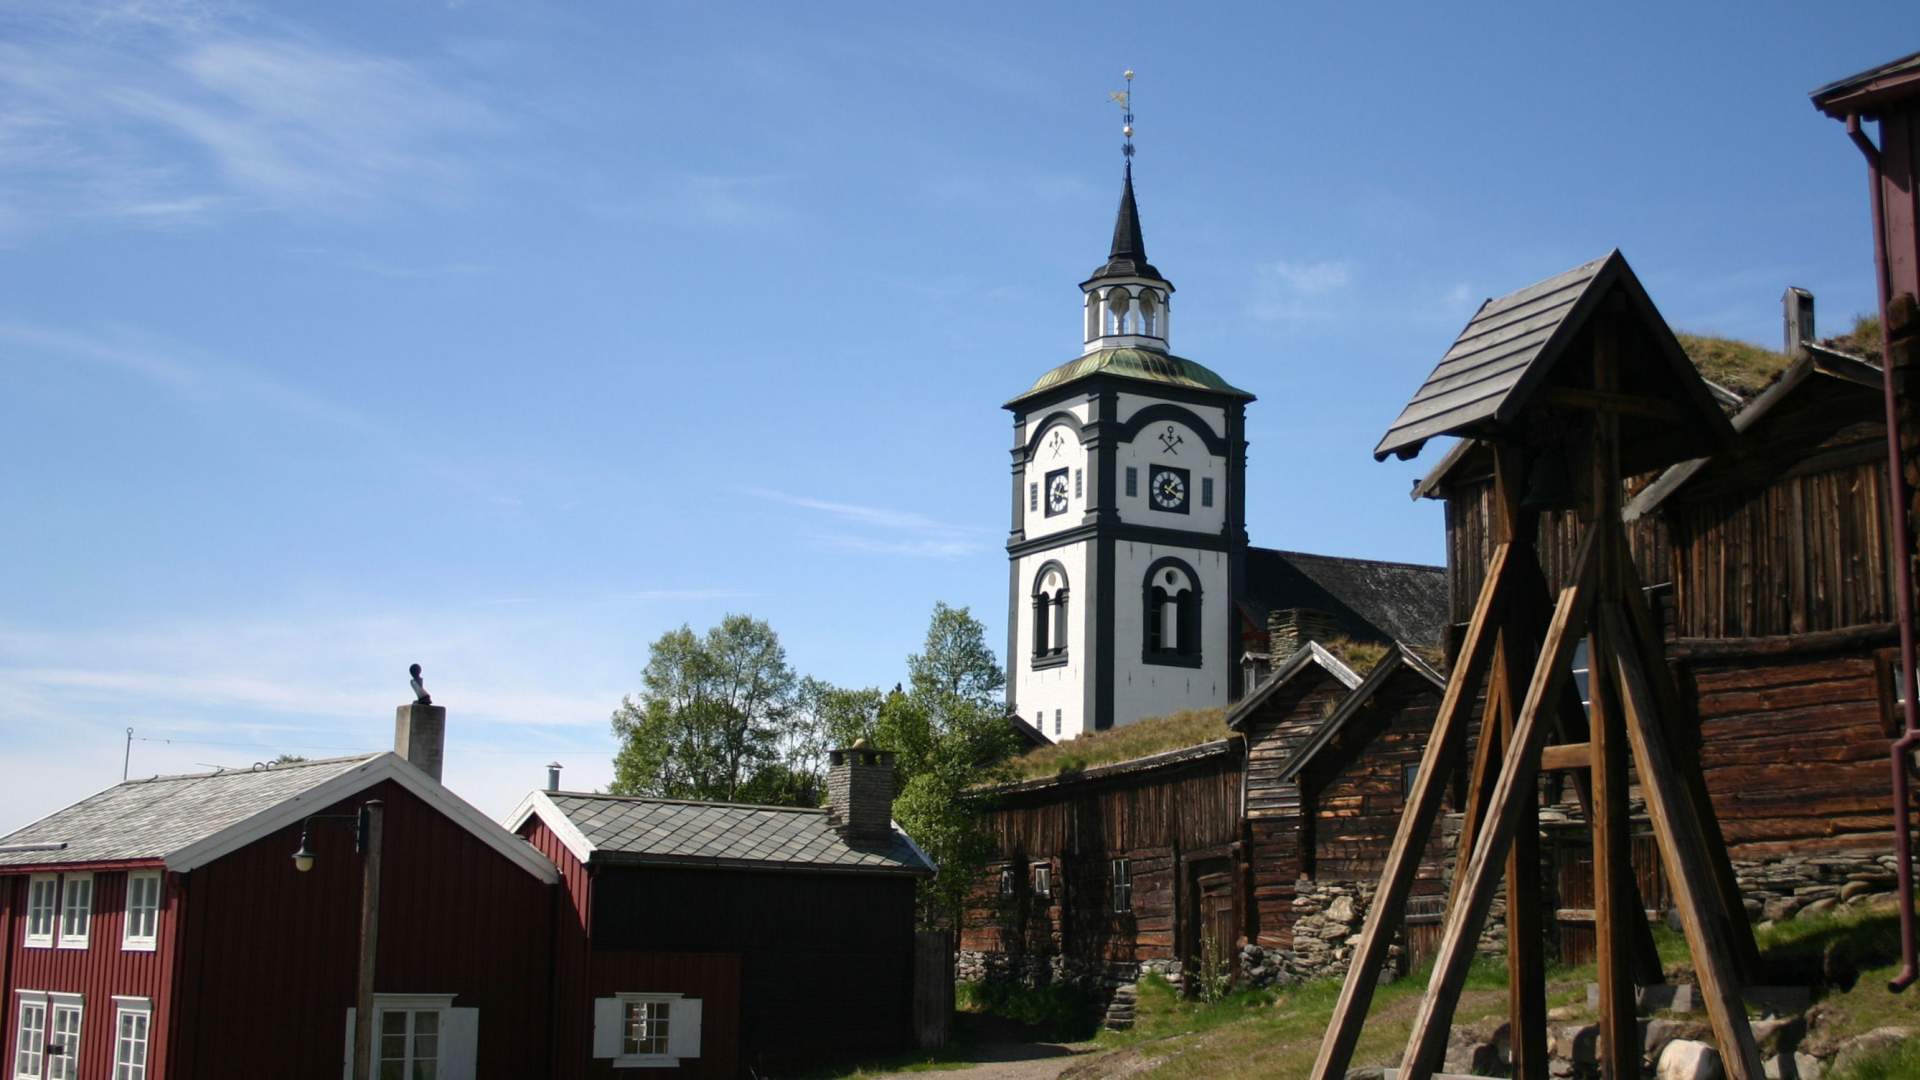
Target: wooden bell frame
(1532, 720)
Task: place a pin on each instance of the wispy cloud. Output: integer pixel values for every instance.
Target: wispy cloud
(1292, 291)
(166, 115)
(704, 200)
(887, 531)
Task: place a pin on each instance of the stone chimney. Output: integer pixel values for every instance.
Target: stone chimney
(1796, 310)
(553, 776)
(860, 793)
(1289, 630)
(420, 735)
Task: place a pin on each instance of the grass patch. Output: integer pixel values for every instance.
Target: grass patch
(1054, 1012)
(1894, 1063)
(1863, 340)
(1741, 367)
(1176, 731)
(1832, 949)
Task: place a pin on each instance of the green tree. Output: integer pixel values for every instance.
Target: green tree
(949, 733)
(710, 716)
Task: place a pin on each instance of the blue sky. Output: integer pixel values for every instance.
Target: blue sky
(505, 336)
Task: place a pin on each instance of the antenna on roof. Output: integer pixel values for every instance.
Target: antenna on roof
(1124, 99)
(127, 757)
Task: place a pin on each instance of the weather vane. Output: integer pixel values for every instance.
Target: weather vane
(1124, 99)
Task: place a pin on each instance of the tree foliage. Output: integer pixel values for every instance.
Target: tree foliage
(711, 715)
(723, 716)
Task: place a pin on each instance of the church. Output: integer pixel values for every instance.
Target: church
(1132, 589)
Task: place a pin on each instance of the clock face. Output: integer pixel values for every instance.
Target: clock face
(1056, 492)
(1168, 488)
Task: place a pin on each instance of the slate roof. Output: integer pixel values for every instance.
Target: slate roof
(1145, 365)
(1512, 344)
(151, 819)
(1369, 600)
(675, 832)
(188, 821)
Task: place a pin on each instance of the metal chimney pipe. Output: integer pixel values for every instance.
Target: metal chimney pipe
(553, 776)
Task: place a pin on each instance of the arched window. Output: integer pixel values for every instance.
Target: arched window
(1117, 303)
(1171, 614)
(1050, 615)
(1093, 315)
(1149, 314)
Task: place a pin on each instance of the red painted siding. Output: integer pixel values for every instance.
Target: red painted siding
(571, 1008)
(98, 973)
(270, 955)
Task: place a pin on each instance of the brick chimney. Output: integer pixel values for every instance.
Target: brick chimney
(420, 735)
(1289, 630)
(860, 793)
(1796, 311)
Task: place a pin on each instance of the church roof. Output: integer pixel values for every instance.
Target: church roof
(1128, 255)
(1145, 365)
(1369, 600)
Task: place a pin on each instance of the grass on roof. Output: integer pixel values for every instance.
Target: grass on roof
(1862, 341)
(1743, 368)
(1155, 735)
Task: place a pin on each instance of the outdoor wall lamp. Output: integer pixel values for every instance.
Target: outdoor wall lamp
(303, 858)
(367, 830)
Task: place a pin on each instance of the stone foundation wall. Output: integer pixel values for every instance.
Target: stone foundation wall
(972, 965)
(1780, 888)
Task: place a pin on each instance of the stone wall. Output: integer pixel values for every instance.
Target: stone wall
(973, 965)
(1776, 889)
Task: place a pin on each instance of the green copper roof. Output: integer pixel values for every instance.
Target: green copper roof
(1142, 364)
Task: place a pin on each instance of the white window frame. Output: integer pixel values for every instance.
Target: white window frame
(71, 939)
(451, 1033)
(142, 1010)
(1121, 871)
(130, 940)
(646, 1061)
(58, 1003)
(29, 999)
(51, 909)
(1040, 877)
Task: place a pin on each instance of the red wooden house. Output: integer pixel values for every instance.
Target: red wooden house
(703, 938)
(161, 930)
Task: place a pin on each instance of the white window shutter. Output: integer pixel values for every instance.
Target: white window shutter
(346, 1056)
(683, 1029)
(607, 1017)
(459, 1044)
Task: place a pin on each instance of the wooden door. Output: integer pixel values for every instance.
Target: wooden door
(1213, 917)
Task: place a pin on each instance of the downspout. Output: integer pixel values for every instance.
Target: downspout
(1902, 576)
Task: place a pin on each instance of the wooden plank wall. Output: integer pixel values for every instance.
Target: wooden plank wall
(1470, 544)
(1149, 817)
(1358, 783)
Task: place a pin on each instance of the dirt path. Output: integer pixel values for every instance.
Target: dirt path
(1009, 1061)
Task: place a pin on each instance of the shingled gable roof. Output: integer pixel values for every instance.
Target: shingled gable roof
(1895, 80)
(1512, 347)
(1818, 360)
(1309, 657)
(633, 830)
(1398, 658)
(1369, 599)
(184, 822)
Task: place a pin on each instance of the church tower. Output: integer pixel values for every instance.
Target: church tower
(1129, 539)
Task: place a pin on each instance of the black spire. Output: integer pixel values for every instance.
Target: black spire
(1128, 257)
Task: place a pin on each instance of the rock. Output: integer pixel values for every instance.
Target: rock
(1684, 1059)
(1780, 908)
(1871, 1043)
(1818, 907)
(1657, 1033)
(1341, 910)
(1854, 889)
(1579, 1043)
(1469, 1052)
(1792, 1067)
(1779, 1036)
(1808, 1067)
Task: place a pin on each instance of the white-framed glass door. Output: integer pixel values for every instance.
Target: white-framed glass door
(130, 1044)
(30, 1045)
(63, 1044)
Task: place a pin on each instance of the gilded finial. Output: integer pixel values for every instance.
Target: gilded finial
(1124, 99)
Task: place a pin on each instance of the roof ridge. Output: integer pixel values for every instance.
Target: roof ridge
(1354, 559)
(686, 802)
(255, 769)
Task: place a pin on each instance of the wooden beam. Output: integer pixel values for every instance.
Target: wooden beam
(1563, 757)
(1485, 770)
(1526, 967)
(1416, 824)
(1613, 879)
(1682, 854)
(1518, 772)
(1846, 639)
(1567, 397)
